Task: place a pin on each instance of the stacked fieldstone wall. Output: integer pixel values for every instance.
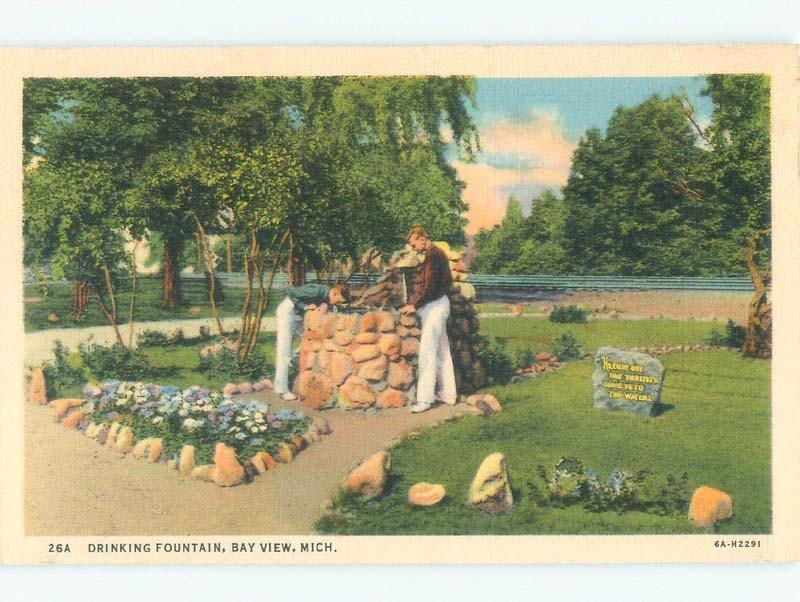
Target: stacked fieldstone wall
(358, 360)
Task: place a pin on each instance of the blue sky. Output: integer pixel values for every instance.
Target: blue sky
(529, 128)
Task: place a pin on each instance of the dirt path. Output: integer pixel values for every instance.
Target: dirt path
(39, 344)
(76, 487)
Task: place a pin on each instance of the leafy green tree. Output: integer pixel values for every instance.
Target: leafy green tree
(498, 248)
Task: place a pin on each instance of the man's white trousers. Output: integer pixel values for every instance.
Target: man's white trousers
(289, 324)
(435, 379)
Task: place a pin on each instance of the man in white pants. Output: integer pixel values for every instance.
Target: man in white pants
(435, 379)
(289, 318)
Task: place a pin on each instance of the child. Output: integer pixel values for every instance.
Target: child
(289, 316)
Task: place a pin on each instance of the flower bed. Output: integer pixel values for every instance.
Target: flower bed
(202, 433)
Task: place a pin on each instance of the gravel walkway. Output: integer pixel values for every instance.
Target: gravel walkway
(73, 486)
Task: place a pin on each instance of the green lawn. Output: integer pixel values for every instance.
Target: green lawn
(538, 334)
(58, 298)
(177, 365)
(718, 432)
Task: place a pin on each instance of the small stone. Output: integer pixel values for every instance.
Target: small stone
(392, 398)
(186, 461)
(194, 310)
(319, 320)
(228, 472)
(322, 426)
(73, 420)
(269, 461)
(362, 353)
(299, 443)
(230, 389)
(258, 463)
(543, 357)
(356, 393)
(366, 338)
(151, 448)
(203, 473)
(37, 390)
(384, 321)
(374, 369)
(369, 323)
(113, 431)
(425, 494)
(285, 452)
(124, 439)
(343, 337)
(518, 310)
(401, 375)
(245, 388)
(490, 489)
(409, 320)
(389, 344)
(487, 403)
(410, 346)
(709, 505)
(369, 479)
(53, 318)
(257, 386)
(64, 405)
(267, 384)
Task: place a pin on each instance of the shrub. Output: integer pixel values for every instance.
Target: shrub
(176, 337)
(734, 336)
(568, 314)
(152, 338)
(225, 364)
(570, 482)
(115, 361)
(522, 357)
(59, 374)
(497, 364)
(566, 347)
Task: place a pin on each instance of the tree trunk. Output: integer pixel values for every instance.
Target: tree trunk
(758, 338)
(211, 275)
(229, 252)
(172, 258)
(80, 298)
(295, 268)
(132, 311)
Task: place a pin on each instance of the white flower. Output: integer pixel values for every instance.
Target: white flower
(158, 420)
(249, 424)
(208, 408)
(183, 413)
(254, 429)
(240, 436)
(262, 428)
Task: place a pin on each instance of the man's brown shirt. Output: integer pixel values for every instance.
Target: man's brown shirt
(434, 279)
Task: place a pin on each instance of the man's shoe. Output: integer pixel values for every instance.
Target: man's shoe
(420, 407)
(289, 396)
(446, 402)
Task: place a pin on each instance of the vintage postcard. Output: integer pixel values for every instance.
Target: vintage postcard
(400, 305)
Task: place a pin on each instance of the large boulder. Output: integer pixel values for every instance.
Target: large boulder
(73, 419)
(341, 366)
(124, 441)
(374, 369)
(227, 469)
(37, 390)
(490, 489)
(384, 321)
(709, 505)
(392, 398)
(409, 347)
(362, 353)
(356, 393)
(425, 494)
(627, 381)
(369, 479)
(315, 389)
(401, 375)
